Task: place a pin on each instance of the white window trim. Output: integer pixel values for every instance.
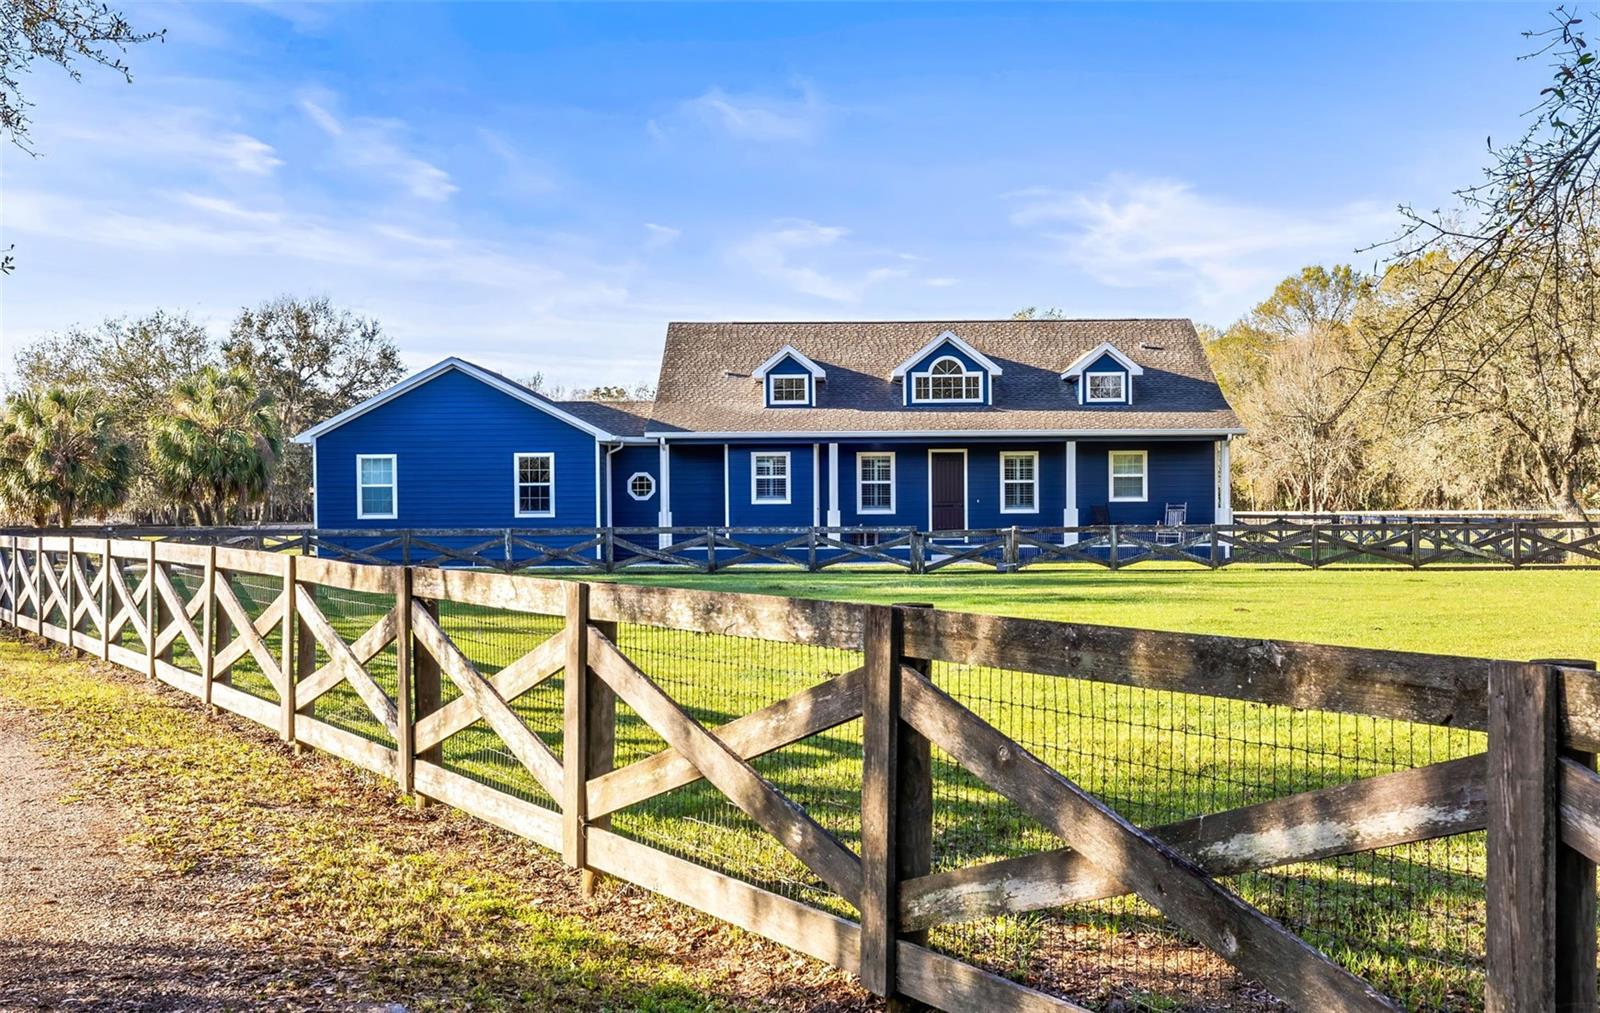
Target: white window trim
(860, 509)
(516, 484)
(772, 398)
(393, 487)
(1088, 387)
(1034, 455)
(911, 392)
(1144, 475)
(648, 496)
(788, 478)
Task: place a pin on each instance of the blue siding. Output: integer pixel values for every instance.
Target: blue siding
(627, 512)
(696, 485)
(454, 439)
(744, 512)
(983, 484)
(945, 348)
(1179, 472)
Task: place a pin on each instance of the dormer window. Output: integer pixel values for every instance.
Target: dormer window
(792, 390)
(1104, 387)
(947, 380)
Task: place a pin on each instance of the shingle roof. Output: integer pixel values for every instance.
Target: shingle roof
(705, 383)
(620, 418)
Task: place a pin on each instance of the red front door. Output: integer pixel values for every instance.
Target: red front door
(949, 489)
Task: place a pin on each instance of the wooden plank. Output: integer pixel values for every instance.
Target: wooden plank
(290, 666)
(178, 678)
(816, 709)
(527, 747)
(1577, 985)
(827, 937)
(767, 617)
(120, 655)
(1377, 812)
(247, 634)
(245, 705)
(254, 561)
(427, 685)
(350, 665)
(600, 717)
(362, 752)
(179, 613)
(184, 554)
(405, 712)
(514, 593)
(780, 817)
(950, 984)
(520, 817)
(1580, 808)
(880, 714)
(1255, 944)
(316, 682)
(1523, 836)
(575, 726)
(348, 576)
(510, 682)
(1432, 689)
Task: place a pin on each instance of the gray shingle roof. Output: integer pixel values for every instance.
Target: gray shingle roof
(705, 383)
(620, 418)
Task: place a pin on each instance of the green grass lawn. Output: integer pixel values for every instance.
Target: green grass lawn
(1411, 918)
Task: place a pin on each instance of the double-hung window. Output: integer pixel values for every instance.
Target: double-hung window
(790, 389)
(875, 483)
(376, 496)
(1019, 482)
(535, 477)
(1130, 471)
(769, 478)
(1106, 387)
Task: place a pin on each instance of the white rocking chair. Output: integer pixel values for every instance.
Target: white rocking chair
(1176, 516)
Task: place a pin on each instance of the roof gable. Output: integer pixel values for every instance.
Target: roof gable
(484, 376)
(1094, 355)
(983, 362)
(789, 352)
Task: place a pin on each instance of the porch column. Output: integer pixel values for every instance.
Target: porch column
(1069, 515)
(833, 485)
(1224, 481)
(664, 517)
(816, 485)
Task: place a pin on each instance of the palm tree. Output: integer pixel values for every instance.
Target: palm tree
(216, 444)
(60, 453)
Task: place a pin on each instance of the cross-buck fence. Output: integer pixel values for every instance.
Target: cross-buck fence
(975, 812)
(1314, 543)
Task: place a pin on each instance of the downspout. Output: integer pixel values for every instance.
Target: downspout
(611, 492)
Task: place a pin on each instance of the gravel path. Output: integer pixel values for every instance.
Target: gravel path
(90, 922)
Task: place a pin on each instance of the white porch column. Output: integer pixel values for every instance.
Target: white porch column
(816, 484)
(664, 517)
(1069, 515)
(833, 485)
(1224, 480)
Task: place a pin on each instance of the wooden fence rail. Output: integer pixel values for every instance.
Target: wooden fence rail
(179, 613)
(1313, 543)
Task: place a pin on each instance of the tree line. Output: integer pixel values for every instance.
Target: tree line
(154, 421)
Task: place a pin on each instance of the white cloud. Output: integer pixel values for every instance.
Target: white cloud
(756, 118)
(774, 254)
(175, 135)
(942, 282)
(371, 144)
(659, 236)
(1136, 233)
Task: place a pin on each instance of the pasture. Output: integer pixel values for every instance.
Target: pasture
(1410, 918)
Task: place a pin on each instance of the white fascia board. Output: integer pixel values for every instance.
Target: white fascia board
(1088, 358)
(988, 364)
(946, 434)
(789, 352)
(443, 366)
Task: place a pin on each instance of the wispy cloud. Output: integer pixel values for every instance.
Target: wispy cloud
(1135, 233)
(756, 117)
(659, 236)
(373, 145)
(177, 136)
(791, 253)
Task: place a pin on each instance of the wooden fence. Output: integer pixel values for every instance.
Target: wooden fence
(1504, 542)
(175, 612)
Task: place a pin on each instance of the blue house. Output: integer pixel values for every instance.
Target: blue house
(942, 426)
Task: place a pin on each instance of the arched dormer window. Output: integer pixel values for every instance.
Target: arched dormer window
(946, 380)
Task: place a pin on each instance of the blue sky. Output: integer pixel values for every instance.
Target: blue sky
(542, 188)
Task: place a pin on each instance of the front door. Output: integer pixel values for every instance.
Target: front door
(948, 489)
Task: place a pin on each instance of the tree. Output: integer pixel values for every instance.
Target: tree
(314, 360)
(134, 364)
(616, 392)
(1499, 323)
(64, 32)
(60, 454)
(216, 443)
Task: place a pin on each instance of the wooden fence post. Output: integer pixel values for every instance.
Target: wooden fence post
(286, 648)
(305, 662)
(1576, 984)
(427, 694)
(152, 608)
(913, 807)
(108, 569)
(1112, 557)
(404, 655)
(70, 594)
(600, 715)
(1011, 554)
(580, 729)
(1524, 833)
(14, 559)
(208, 631)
